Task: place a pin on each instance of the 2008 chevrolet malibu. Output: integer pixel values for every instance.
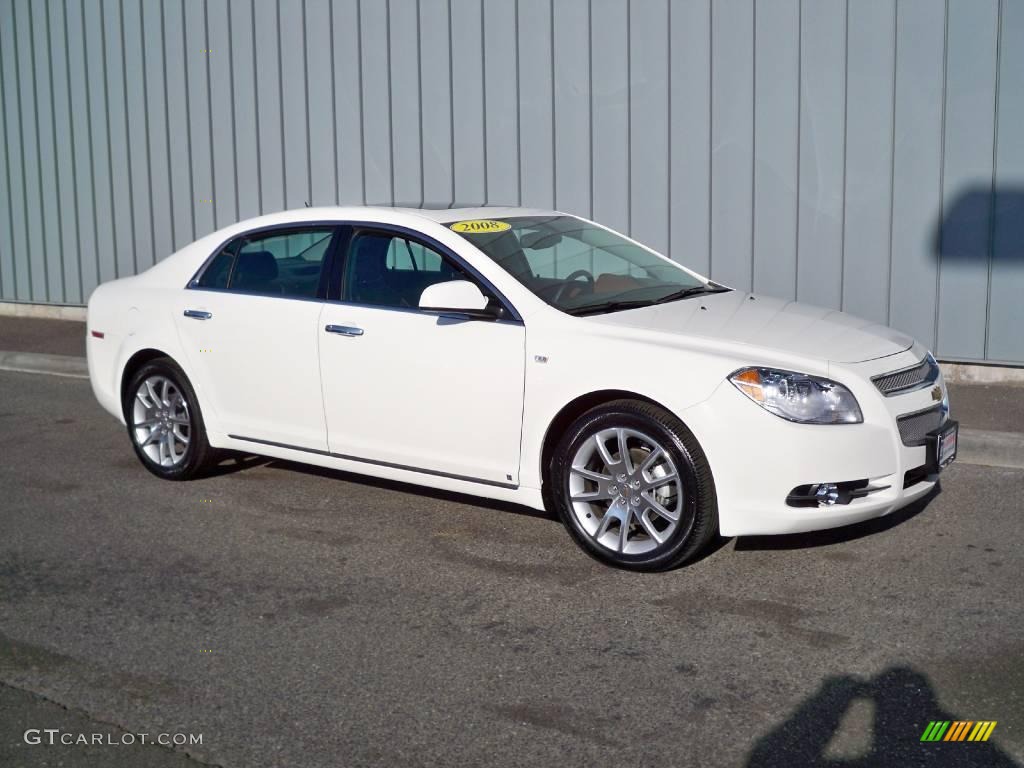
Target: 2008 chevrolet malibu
(524, 355)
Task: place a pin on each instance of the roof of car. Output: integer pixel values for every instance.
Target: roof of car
(438, 214)
(444, 214)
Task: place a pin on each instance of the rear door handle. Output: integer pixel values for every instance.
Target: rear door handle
(198, 314)
(344, 330)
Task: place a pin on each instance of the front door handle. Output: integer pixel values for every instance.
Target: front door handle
(344, 330)
(198, 314)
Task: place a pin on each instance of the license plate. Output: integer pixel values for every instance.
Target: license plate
(946, 445)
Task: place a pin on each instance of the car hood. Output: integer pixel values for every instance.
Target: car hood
(787, 326)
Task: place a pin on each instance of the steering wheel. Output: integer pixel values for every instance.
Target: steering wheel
(570, 281)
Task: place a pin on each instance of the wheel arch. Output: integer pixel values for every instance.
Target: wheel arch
(136, 361)
(568, 414)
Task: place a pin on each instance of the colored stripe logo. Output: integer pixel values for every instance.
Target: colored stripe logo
(958, 730)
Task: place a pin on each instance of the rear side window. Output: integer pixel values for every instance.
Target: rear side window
(277, 263)
(286, 263)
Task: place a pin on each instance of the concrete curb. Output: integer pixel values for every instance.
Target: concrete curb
(977, 446)
(37, 362)
(991, 449)
(42, 311)
(964, 373)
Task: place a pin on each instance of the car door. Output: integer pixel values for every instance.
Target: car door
(441, 394)
(249, 325)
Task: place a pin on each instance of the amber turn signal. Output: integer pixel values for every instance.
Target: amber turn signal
(749, 382)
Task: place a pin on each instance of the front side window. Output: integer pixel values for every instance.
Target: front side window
(579, 267)
(407, 255)
(388, 270)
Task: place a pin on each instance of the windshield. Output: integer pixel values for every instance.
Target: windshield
(578, 267)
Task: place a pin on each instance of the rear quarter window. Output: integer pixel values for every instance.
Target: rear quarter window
(217, 271)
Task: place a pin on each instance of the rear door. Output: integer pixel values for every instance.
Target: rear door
(417, 390)
(249, 327)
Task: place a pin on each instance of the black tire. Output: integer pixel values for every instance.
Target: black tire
(198, 455)
(698, 519)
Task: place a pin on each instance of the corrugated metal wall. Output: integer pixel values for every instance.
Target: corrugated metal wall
(866, 154)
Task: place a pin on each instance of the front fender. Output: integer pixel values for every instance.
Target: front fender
(561, 369)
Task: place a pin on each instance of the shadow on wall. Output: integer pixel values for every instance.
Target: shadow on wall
(903, 703)
(978, 221)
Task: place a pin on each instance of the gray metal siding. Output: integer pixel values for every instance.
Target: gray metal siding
(1006, 276)
(858, 154)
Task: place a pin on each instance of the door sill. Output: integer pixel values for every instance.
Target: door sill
(377, 463)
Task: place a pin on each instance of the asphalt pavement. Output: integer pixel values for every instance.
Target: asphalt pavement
(295, 616)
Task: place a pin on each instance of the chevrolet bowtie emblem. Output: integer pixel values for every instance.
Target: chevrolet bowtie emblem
(937, 393)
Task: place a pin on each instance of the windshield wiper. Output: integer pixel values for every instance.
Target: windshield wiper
(686, 293)
(608, 306)
(614, 306)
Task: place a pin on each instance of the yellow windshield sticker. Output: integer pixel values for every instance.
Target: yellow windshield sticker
(479, 226)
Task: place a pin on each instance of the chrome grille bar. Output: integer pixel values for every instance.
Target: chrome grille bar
(918, 376)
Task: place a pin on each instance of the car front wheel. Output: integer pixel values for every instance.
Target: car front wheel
(165, 423)
(633, 487)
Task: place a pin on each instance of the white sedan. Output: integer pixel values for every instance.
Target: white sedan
(524, 355)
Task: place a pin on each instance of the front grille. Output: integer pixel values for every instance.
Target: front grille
(916, 377)
(914, 427)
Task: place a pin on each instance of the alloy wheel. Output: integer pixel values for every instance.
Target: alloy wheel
(625, 491)
(161, 423)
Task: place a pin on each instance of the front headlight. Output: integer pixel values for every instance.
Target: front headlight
(798, 396)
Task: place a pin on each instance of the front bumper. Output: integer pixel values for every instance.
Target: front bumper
(757, 459)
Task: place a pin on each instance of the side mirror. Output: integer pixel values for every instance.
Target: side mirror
(459, 297)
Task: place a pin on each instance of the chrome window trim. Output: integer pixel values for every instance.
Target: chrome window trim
(255, 294)
(191, 285)
(417, 311)
(443, 250)
(514, 316)
(356, 305)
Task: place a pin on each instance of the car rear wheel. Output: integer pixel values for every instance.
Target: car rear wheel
(633, 487)
(165, 423)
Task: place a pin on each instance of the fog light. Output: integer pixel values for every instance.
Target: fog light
(829, 494)
(825, 493)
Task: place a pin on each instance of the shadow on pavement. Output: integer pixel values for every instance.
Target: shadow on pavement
(419, 490)
(242, 462)
(904, 704)
(236, 463)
